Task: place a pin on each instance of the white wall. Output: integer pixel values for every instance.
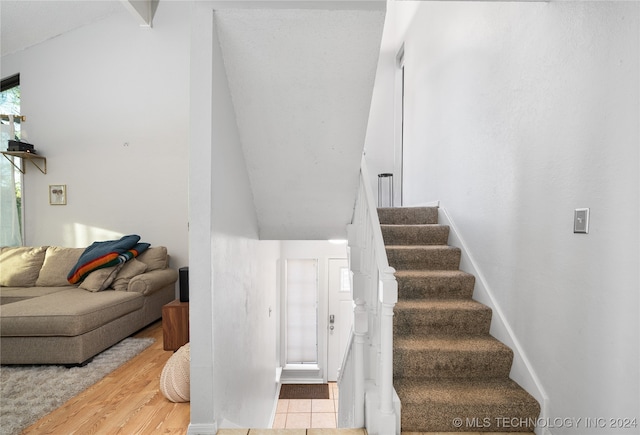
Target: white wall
(383, 142)
(518, 113)
(234, 275)
(86, 94)
(200, 220)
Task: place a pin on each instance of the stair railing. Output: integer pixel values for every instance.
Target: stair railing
(375, 293)
(346, 383)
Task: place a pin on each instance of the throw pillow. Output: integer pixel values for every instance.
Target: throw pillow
(155, 258)
(130, 269)
(100, 279)
(20, 266)
(57, 263)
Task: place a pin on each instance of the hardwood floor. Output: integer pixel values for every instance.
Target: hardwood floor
(127, 401)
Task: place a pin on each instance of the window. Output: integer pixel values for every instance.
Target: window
(345, 279)
(10, 176)
(302, 311)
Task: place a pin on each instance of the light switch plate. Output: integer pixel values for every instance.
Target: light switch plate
(581, 220)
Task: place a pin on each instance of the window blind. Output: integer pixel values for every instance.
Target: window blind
(302, 311)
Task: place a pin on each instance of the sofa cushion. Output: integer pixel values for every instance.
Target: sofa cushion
(100, 279)
(20, 266)
(131, 268)
(69, 312)
(151, 282)
(155, 258)
(9, 295)
(58, 261)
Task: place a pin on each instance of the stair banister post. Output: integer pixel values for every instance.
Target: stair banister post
(356, 260)
(389, 286)
(388, 295)
(360, 328)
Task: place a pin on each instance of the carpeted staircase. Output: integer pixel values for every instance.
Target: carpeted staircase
(450, 374)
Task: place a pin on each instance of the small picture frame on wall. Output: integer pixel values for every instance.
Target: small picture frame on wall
(58, 194)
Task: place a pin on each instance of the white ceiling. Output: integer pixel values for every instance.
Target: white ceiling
(301, 75)
(301, 82)
(26, 23)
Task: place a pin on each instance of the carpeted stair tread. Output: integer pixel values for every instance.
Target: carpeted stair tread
(452, 357)
(481, 392)
(408, 215)
(423, 257)
(446, 364)
(434, 284)
(437, 304)
(451, 343)
(441, 316)
(430, 234)
(432, 405)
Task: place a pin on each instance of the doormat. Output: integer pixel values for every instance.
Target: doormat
(304, 391)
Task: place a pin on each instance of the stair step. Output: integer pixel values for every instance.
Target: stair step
(408, 215)
(423, 257)
(447, 368)
(495, 405)
(451, 357)
(430, 234)
(434, 284)
(459, 317)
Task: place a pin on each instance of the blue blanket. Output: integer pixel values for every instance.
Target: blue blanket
(106, 254)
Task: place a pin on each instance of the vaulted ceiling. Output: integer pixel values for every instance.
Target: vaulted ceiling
(301, 75)
(26, 23)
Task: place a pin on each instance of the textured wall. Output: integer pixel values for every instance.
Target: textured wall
(518, 113)
(234, 283)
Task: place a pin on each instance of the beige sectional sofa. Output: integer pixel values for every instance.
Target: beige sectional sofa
(46, 320)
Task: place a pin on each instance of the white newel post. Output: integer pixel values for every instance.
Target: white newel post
(375, 294)
(360, 327)
(388, 298)
(360, 320)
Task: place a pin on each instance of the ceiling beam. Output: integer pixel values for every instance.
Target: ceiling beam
(142, 10)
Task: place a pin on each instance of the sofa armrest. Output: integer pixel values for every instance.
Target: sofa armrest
(150, 282)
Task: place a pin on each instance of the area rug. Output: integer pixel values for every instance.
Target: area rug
(304, 391)
(31, 391)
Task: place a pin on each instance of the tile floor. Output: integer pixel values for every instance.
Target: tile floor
(308, 413)
(318, 417)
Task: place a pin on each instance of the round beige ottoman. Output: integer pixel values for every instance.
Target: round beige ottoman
(174, 380)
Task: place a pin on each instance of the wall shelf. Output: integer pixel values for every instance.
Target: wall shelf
(37, 161)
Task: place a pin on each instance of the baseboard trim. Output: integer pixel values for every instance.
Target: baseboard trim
(522, 370)
(435, 203)
(202, 429)
(372, 413)
(275, 403)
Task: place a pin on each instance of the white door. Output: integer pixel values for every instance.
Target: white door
(340, 315)
(398, 167)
